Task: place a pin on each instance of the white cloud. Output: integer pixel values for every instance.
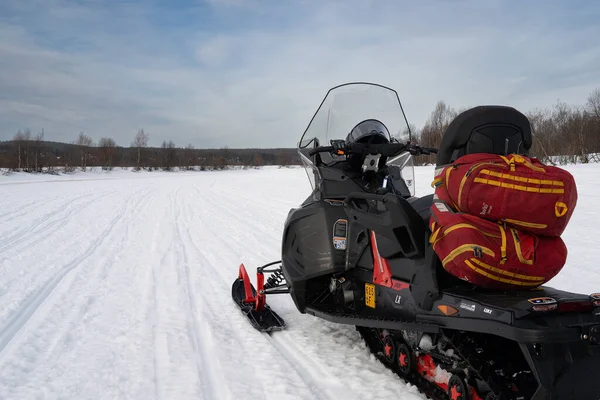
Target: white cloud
(257, 82)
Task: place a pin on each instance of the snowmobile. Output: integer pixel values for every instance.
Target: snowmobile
(357, 252)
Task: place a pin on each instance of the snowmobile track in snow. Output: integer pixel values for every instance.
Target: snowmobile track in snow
(47, 223)
(299, 365)
(203, 355)
(310, 372)
(26, 311)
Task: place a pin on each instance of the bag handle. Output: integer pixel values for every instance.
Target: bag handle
(519, 159)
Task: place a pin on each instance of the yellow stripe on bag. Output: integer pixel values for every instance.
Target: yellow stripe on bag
(465, 248)
(522, 179)
(500, 279)
(447, 181)
(503, 246)
(460, 188)
(518, 187)
(433, 237)
(526, 224)
(464, 225)
(506, 273)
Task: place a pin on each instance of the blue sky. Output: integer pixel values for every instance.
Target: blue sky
(250, 73)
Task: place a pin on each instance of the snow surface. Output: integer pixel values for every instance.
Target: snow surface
(118, 286)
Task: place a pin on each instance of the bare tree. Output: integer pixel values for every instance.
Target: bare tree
(593, 103)
(257, 160)
(38, 151)
(436, 125)
(140, 142)
(188, 156)
(539, 125)
(21, 139)
(411, 132)
(169, 155)
(107, 146)
(434, 128)
(84, 142)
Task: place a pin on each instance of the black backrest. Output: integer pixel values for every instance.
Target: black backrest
(485, 129)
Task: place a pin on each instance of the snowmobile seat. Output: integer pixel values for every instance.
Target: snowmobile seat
(485, 129)
(422, 206)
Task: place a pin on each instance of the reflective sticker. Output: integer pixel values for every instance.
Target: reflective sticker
(370, 295)
(339, 244)
(442, 207)
(542, 300)
(340, 234)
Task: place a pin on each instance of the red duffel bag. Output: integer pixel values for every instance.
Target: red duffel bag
(521, 191)
(492, 255)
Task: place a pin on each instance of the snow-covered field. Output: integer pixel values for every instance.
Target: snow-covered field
(117, 286)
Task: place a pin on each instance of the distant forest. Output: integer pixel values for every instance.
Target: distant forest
(562, 134)
(31, 153)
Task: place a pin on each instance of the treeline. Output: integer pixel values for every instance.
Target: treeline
(561, 134)
(31, 153)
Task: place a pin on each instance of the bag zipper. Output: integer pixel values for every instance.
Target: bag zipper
(518, 248)
(466, 248)
(466, 175)
(447, 186)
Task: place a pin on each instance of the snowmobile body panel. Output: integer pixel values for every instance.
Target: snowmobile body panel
(313, 245)
(397, 310)
(564, 370)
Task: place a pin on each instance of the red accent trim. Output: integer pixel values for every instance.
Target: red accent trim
(382, 275)
(381, 269)
(402, 360)
(260, 300)
(399, 285)
(426, 367)
(454, 393)
(243, 275)
(388, 350)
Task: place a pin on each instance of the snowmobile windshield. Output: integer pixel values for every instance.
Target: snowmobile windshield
(342, 109)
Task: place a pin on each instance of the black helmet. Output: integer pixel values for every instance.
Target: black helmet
(369, 131)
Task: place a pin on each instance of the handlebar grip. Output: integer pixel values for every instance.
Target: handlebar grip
(320, 149)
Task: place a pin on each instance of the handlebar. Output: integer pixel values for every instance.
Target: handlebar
(385, 149)
(321, 149)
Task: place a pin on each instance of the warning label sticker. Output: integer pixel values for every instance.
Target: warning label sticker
(370, 295)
